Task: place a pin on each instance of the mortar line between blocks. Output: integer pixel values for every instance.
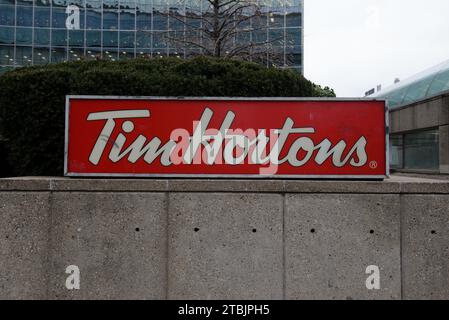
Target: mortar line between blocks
(48, 257)
(284, 271)
(167, 244)
(401, 244)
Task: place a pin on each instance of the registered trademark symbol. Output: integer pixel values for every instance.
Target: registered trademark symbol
(373, 164)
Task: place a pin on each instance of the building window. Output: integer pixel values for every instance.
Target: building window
(143, 39)
(93, 19)
(24, 55)
(293, 36)
(110, 54)
(140, 26)
(294, 17)
(110, 20)
(93, 38)
(143, 20)
(59, 37)
(41, 17)
(110, 39)
(415, 150)
(6, 55)
(42, 37)
(58, 55)
(127, 20)
(41, 56)
(24, 36)
(396, 151)
(127, 40)
(24, 16)
(76, 38)
(7, 15)
(6, 35)
(421, 150)
(93, 53)
(75, 54)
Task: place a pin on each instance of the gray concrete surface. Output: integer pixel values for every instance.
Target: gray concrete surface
(331, 240)
(224, 246)
(229, 239)
(24, 233)
(394, 185)
(425, 243)
(428, 113)
(118, 241)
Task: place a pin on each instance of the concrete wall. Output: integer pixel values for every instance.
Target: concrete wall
(428, 113)
(223, 239)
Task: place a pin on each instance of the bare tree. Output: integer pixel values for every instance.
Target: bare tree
(223, 28)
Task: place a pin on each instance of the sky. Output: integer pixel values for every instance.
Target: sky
(354, 45)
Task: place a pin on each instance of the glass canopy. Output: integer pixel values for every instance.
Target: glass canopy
(423, 85)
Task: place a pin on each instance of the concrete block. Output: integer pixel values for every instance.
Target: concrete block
(434, 187)
(225, 185)
(25, 184)
(24, 223)
(304, 186)
(129, 185)
(407, 118)
(225, 246)
(425, 242)
(394, 121)
(444, 116)
(118, 241)
(330, 240)
(428, 114)
(395, 185)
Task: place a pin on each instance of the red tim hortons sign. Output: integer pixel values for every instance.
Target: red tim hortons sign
(226, 137)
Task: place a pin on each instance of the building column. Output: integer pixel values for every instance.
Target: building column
(444, 149)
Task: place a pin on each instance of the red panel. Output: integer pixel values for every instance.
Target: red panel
(314, 138)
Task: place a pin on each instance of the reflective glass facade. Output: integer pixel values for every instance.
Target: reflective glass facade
(415, 150)
(426, 84)
(44, 31)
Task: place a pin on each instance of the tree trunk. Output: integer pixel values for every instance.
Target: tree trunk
(216, 32)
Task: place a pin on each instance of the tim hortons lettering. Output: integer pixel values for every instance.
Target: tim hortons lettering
(237, 147)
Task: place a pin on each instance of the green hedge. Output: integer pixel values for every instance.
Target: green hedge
(5, 169)
(32, 99)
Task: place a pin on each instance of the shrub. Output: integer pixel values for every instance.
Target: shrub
(32, 99)
(5, 170)
(325, 92)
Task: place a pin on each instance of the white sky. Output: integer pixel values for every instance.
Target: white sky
(353, 45)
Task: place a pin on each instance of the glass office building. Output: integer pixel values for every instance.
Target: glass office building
(428, 83)
(36, 32)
